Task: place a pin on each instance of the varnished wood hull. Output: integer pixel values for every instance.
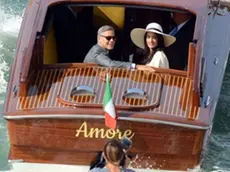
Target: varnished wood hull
(71, 141)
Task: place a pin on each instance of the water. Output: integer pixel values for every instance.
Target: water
(10, 20)
(218, 157)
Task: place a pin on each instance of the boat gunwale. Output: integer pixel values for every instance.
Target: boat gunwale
(80, 65)
(84, 116)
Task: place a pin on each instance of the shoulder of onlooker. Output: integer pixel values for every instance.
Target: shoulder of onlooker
(99, 170)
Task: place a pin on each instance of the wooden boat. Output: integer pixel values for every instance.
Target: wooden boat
(52, 128)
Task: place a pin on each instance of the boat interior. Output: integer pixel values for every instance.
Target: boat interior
(71, 30)
(58, 79)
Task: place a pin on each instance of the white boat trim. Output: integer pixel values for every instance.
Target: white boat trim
(83, 116)
(41, 167)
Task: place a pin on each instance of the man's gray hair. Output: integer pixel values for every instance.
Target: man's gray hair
(104, 28)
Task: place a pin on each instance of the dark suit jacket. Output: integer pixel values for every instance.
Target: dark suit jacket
(177, 53)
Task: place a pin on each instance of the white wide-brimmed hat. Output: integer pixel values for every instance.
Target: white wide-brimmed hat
(137, 35)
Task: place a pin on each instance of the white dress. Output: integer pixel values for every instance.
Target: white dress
(159, 60)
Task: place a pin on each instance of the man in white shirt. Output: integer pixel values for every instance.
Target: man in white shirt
(183, 30)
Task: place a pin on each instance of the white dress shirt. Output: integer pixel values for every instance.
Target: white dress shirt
(181, 25)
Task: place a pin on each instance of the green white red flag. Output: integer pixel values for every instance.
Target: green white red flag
(109, 108)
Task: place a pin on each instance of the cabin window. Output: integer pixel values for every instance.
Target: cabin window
(70, 31)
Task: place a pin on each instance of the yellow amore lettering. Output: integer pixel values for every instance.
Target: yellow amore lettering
(102, 133)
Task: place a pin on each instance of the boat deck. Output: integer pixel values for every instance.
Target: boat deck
(51, 88)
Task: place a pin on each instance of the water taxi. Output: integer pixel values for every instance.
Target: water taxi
(54, 103)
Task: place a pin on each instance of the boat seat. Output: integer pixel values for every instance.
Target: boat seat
(114, 16)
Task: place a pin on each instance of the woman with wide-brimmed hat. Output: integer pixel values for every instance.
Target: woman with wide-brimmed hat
(153, 41)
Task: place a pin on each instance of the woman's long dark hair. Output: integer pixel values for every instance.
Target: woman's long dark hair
(147, 55)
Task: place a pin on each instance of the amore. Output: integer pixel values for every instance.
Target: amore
(102, 133)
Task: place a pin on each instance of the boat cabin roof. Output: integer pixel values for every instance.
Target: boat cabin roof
(197, 7)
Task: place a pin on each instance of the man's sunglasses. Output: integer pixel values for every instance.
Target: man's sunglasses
(108, 38)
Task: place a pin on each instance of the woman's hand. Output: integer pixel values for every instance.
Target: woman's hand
(146, 68)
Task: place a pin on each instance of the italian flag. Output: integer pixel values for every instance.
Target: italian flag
(109, 108)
